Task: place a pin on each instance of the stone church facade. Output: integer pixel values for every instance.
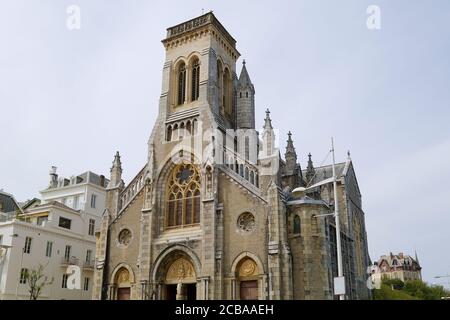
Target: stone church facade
(211, 215)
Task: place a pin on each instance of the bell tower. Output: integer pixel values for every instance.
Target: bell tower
(200, 70)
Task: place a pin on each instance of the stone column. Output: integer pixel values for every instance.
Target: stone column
(159, 291)
(112, 292)
(233, 288)
(219, 253)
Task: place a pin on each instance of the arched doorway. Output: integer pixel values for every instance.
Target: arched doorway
(180, 282)
(123, 284)
(248, 276)
(175, 273)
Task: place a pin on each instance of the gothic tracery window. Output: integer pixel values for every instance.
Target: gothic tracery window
(181, 74)
(183, 197)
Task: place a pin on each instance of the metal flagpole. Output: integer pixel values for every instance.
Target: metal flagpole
(338, 231)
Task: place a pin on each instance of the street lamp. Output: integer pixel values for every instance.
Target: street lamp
(339, 281)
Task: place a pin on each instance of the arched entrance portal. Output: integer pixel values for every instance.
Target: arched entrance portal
(175, 274)
(248, 275)
(123, 284)
(180, 282)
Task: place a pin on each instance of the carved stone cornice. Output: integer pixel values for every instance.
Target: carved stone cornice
(196, 28)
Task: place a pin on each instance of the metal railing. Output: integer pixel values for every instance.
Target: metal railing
(89, 264)
(69, 261)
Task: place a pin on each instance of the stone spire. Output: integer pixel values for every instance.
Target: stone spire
(268, 121)
(245, 98)
(310, 171)
(244, 78)
(416, 257)
(268, 136)
(116, 172)
(290, 155)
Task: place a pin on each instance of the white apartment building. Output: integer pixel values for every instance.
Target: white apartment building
(58, 233)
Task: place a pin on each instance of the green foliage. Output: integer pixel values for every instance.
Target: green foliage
(36, 281)
(387, 293)
(394, 289)
(424, 291)
(396, 284)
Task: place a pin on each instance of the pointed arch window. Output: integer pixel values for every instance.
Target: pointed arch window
(297, 228)
(220, 85)
(247, 148)
(181, 74)
(227, 91)
(183, 197)
(195, 81)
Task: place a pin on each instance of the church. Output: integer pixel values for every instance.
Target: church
(211, 214)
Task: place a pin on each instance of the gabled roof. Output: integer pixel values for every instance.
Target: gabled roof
(326, 172)
(27, 204)
(400, 259)
(50, 204)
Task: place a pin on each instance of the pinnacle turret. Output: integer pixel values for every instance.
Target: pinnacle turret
(116, 171)
(290, 155)
(310, 171)
(268, 121)
(244, 78)
(245, 100)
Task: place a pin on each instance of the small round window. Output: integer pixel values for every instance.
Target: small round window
(125, 237)
(246, 222)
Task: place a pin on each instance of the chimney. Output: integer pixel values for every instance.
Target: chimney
(400, 255)
(102, 181)
(53, 178)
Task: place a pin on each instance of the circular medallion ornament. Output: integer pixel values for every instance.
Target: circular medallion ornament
(125, 237)
(246, 222)
(248, 268)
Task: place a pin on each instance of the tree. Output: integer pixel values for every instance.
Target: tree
(394, 289)
(36, 281)
(396, 284)
(422, 290)
(387, 293)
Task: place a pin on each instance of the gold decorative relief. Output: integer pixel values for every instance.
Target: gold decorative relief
(248, 268)
(123, 276)
(180, 270)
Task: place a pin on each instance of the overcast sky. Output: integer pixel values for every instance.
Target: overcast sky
(72, 98)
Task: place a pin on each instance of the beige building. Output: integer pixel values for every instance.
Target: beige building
(211, 214)
(398, 266)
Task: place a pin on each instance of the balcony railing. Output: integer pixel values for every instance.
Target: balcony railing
(65, 261)
(89, 264)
